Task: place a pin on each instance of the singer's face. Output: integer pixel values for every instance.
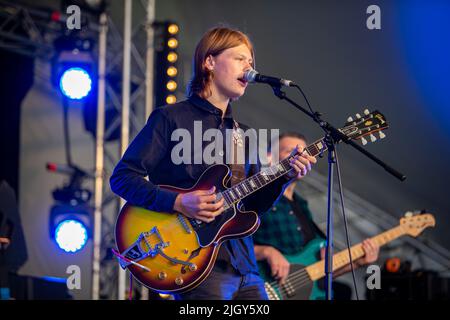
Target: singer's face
(229, 68)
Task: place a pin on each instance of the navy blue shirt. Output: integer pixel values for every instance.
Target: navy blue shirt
(150, 154)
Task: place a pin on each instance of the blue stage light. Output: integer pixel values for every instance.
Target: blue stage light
(71, 235)
(75, 83)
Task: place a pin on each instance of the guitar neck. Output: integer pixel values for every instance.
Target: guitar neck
(354, 129)
(341, 259)
(267, 175)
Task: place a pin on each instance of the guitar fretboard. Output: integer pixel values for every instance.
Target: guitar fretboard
(267, 175)
(316, 270)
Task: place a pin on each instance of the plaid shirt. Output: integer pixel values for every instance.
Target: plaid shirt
(282, 229)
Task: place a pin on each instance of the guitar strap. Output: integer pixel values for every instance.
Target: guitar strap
(237, 164)
(235, 146)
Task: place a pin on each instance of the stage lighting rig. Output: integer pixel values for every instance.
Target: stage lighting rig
(73, 67)
(70, 218)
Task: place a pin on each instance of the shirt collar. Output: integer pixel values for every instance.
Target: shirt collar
(204, 104)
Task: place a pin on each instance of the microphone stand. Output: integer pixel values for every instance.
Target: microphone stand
(332, 136)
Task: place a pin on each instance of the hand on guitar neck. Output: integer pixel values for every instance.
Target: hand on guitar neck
(371, 251)
(301, 163)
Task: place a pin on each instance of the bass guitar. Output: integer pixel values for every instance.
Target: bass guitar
(301, 283)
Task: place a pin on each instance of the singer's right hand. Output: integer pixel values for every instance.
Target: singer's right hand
(199, 205)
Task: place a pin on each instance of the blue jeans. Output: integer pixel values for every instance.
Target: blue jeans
(227, 285)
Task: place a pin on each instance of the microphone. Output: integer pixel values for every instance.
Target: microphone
(254, 76)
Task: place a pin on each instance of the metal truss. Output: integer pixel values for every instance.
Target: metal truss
(132, 66)
(31, 31)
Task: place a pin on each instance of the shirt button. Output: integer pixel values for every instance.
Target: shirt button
(291, 212)
(274, 208)
(221, 153)
(299, 228)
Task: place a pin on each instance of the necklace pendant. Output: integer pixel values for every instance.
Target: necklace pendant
(237, 138)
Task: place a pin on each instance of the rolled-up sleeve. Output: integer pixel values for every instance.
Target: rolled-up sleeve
(139, 160)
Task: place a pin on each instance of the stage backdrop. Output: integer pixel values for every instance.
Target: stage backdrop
(325, 46)
(343, 67)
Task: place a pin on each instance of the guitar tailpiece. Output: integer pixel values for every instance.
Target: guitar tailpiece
(125, 262)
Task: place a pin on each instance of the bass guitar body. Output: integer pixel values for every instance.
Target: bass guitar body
(298, 285)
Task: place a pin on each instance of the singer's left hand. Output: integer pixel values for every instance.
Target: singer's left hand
(301, 163)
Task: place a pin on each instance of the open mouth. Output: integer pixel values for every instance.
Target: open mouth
(242, 82)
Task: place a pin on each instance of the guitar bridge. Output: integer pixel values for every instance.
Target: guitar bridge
(142, 248)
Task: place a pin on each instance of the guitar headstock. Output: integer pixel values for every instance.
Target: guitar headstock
(365, 125)
(415, 224)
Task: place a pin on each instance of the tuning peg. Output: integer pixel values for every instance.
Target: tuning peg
(350, 119)
(358, 116)
(363, 141)
(382, 135)
(408, 214)
(366, 112)
(373, 138)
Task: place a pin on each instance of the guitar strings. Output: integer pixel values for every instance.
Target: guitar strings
(297, 278)
(294, 276)
(283, 289)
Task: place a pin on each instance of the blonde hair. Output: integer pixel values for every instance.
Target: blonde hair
(213, 43)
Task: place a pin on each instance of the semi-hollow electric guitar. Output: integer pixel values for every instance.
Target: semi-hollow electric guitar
(301, 282)
(171, 253)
